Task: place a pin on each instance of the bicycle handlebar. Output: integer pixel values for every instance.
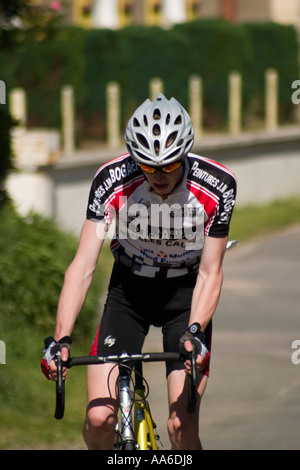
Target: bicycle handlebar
(123, 359)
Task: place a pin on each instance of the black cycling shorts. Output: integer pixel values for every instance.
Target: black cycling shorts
(134, 303)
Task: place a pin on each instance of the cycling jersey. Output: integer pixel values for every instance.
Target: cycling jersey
(158, 233)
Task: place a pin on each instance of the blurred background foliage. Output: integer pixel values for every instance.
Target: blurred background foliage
(34, 255)
(89, 59)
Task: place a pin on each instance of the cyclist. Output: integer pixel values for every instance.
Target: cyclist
(172, 211)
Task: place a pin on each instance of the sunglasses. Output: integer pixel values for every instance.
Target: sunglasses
(165, 169)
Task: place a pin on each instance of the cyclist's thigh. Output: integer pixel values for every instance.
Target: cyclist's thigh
(172, 332)
(101, 384)
(121, 329)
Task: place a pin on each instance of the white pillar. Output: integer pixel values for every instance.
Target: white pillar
(68, 126)
(17, 105)
(32, 191)
(156, 86)
(173, 11)
(196, 105)
(271, 100)
(113, 115)
(18, 111)
(105, 14)
(235, 102)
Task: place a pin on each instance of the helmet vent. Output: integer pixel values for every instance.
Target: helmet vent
(157, 147)
(175, 153)
(156, 114)
(168, 119)
(188, 145)
(156, 129)
(142, 140)
(136, 123)
(145, 120)
(178, 120)
(171, 139)
(142, 156)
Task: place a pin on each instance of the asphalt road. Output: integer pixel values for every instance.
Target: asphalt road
(252, 401)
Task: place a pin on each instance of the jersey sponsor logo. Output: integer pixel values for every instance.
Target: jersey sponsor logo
(117, 173)
(221, 196)
(208, 178)
(228, 204)
(109, 341)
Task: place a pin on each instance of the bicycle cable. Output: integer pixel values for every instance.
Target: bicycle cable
(133, 397)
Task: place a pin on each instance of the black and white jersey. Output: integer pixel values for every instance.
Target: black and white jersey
(163, 232)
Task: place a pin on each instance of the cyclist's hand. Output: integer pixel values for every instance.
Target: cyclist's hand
(48, 365)
(193, 337)
(188, 346)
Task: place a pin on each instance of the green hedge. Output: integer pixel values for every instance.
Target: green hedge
(153, 52)
(275, 46)
(34, 255)
(42, 68)
(217, 48)
(88, 59)
(6, 163)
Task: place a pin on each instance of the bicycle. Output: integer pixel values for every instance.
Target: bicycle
(136, 428)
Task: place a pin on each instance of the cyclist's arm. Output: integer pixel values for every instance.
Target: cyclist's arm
(78, 277)
(208, 287)
(209, 281)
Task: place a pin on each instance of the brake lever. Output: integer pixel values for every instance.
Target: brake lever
(192, 383)
(60, 389)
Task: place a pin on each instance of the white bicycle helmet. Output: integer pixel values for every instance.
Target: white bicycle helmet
(159, 132)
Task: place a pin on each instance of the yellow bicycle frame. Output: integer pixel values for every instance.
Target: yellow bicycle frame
(143, 423)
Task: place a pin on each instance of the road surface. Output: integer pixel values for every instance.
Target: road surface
(252, 401)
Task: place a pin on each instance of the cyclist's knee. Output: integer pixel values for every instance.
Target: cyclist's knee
(100, 421)
(182, 432)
